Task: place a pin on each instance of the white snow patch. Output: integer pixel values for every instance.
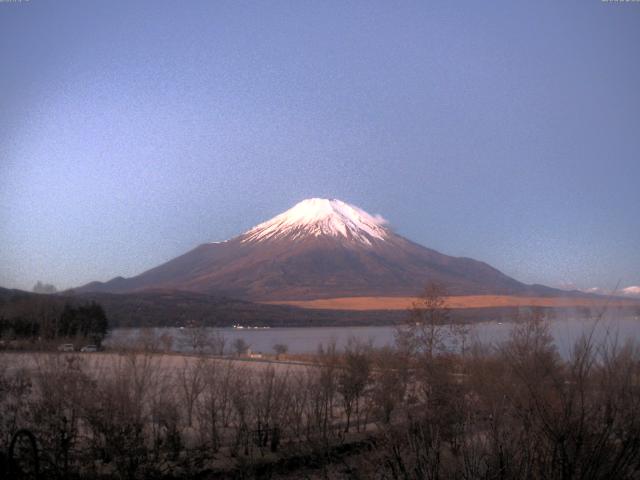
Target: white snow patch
(320, 216)
(633, 290)
(594, 290)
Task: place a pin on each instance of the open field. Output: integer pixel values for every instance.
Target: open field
(457, 302)
(104, 362)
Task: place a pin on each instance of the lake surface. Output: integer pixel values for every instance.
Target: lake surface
(307, 339)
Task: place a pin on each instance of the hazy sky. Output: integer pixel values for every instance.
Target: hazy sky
(131, 132)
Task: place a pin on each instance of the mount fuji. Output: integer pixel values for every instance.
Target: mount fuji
(319, 249)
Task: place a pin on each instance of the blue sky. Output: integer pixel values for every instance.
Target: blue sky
(131, 132)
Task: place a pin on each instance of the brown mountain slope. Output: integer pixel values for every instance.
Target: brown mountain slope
(320, 249)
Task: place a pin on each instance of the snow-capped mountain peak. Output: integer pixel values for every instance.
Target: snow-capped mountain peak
(321, 217)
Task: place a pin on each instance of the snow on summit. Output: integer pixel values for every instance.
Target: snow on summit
(319, 216)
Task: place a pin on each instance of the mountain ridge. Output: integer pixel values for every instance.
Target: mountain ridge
(320, 248)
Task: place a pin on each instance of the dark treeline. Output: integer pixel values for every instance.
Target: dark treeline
(37, 318)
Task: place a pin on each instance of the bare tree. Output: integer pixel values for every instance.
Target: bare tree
(218, 343)
(197, 335)
(426, 331)
(240, 346)
(191, 383)
(298, 402)
(354, 378)
(280, 349)
(321, 385)
(241, 403)
(215, 406)
(270, 398)
(391, 375)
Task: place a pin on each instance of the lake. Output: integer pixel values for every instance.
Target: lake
(307, 339)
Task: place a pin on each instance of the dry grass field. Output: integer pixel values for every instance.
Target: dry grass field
(457, 302)
(109, 362)
(135, 415)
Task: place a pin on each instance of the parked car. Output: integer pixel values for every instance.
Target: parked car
(89, 348)
(66, 347)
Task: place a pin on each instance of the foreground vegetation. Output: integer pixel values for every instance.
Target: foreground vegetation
(412, 412)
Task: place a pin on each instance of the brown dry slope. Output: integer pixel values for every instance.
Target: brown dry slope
(458, 302)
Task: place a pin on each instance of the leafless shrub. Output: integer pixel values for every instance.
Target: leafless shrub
(119, 414)
(354, 378)
(16, 386)
(62, 384)
(214, 409)
(515, 411)
(295, 416)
